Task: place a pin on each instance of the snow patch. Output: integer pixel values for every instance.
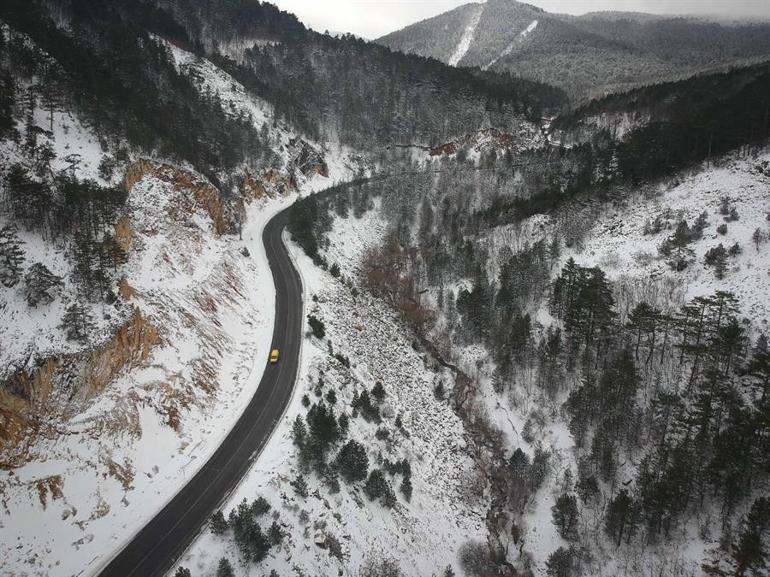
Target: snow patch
(467, 38)
(518, 40)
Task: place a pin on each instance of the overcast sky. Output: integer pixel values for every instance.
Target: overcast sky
(373, 18)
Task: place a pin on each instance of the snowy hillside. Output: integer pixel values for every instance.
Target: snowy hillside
(585, 55)
(422, 534)
(99, 431)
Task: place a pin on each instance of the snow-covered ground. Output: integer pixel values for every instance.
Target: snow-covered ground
(618, 244)
(110, 467)
(425, 534)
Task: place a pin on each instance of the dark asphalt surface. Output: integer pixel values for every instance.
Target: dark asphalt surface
(159, 544)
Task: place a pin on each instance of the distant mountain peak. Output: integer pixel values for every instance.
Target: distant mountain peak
(589, 54)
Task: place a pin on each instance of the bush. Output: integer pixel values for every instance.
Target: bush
(335, 270)
(722, 229)
(476, 560)
(406, 488)
(182, 572)
(344, 361)
(380, 568)
(317, 327)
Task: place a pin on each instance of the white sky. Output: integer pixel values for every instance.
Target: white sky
(373, 18)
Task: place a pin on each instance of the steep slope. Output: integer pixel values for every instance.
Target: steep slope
(670, 274)
(584, 55)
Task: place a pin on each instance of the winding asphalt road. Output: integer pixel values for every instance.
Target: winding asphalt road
(162, 541)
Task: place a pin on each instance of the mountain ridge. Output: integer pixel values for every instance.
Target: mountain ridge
(581, 54)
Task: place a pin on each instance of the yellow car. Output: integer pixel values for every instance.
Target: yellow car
(274, 356)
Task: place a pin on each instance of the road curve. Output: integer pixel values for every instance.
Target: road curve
(153, 550)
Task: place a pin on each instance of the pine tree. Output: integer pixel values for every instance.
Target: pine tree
(676, 248)
(565, 516)
(621, 517)
(11, 256)
(352, 462)
(717, 258)
(39, 283)
(300, 486)
(218, 523)
(77, 323)
(561, 563)
(275, 533)
(225, 568)
(752, 551)
(299, 431)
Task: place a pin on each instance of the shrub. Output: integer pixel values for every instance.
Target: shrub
(380, 568)
(344, 361)
(722, 229)
(406, 488)
(317, 326)
(476, 560)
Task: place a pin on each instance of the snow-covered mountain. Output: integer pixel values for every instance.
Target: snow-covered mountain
(584, 55)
